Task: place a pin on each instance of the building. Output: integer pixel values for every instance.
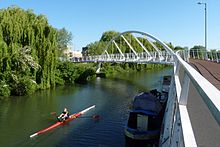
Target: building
(72, 54)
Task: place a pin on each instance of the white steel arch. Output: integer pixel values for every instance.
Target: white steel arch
(155, 56)
(144, 34)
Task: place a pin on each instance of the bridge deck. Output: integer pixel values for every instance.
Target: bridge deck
(210, 70)
(206, 129)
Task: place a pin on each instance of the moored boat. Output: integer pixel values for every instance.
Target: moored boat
(146, 116)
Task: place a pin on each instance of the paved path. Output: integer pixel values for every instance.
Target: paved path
(210, 70)
(206, 129)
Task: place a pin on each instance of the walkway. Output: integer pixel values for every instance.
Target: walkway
(210, 70)
(206, 129)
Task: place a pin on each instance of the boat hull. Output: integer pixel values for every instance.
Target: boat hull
(145, 135)
(71, 117)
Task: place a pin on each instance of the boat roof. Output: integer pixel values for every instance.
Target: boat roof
(147, 101)
(144, 112)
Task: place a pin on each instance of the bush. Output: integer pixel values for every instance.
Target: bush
(69, 73)
(24, 86)
(59, 80)
(66, 72)
(83, 78)
(4, 89)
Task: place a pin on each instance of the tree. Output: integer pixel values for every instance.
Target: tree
(28, 49)
(170, 45)
(198, 51)
(198, 47)
(179, 48)
(64, 38)
(108, 35)
(21, 60)
(96, 48)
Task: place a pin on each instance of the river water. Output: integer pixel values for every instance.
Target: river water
(22, 116)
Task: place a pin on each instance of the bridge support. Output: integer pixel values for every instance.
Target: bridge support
(98, 67)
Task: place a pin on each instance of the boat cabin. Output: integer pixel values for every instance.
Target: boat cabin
(145, 118)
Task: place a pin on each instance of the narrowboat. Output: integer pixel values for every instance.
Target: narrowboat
(145, 118)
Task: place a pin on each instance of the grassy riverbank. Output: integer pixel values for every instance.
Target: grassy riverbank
(111, 70)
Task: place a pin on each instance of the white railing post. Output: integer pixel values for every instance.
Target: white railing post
(185, 90)
(193, 54)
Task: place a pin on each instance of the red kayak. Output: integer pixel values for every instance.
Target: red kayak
(71, 117)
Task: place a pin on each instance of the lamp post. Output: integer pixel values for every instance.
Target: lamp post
(205, 4)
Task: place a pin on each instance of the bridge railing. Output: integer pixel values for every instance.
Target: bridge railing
(205, 55)
(128, 57)
(177, 125)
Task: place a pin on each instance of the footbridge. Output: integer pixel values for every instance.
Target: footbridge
(120, 49)
(192, 116)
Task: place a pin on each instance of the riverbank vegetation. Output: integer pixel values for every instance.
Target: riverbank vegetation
(111, 70)
(30, 53)
(69, 73)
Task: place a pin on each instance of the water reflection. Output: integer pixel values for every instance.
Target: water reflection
(22, 116)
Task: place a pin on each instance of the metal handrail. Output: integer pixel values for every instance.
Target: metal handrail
(205, 55)
(178, 114)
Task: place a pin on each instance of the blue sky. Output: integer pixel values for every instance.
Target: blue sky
(180, 22)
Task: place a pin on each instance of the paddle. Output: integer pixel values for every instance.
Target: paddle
(95, 117)
(52, 113)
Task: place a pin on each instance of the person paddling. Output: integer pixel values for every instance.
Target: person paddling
(64, 115)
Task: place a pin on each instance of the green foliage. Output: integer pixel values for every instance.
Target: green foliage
(180, 48)
(83, 78)
(70, 73)
(4, 89)
(113, 69)
(98, 47)
(198, 51)
(67, 72)
(28, 48)
(63, 38)
(198, 47)
(29, 51)
(170, 45)
(107, 36)
(23, 86)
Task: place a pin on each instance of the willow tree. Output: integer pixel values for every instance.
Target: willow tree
(28, 46)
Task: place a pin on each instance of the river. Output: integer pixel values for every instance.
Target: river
(22, 116)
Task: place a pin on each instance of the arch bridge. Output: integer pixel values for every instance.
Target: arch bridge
(121, 49)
